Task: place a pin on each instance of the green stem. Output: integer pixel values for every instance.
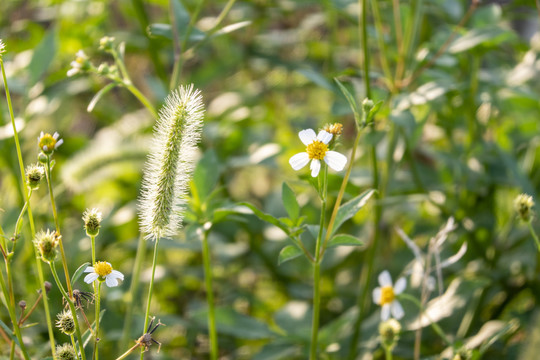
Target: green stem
(534, 235)
(74, 344)
(125, 355)
(209, 296)
(382, 46)
(317, 268)
(364, 43)
(18, 224)
(133, 291)
(93, 240)
(71, 308)
(150, 292)
(97, 289)
(388, 352)
(30, 216)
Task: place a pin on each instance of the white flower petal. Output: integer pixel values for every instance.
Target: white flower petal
(385, 312)
(377, 295)
(117, 274)
(111, 281)
(335, 160)
(324, 136)
(385, 279)
(90, 278)
(56, 135)
(401, 284)
(315, 167)
(299, 160)
(58, 143)
(72, 72)
(89, 269)
(307, 136)
(397, 310)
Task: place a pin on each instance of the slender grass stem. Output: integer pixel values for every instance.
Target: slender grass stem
(323, 189)
(97, 289)
(130, 350)
(93, 244)
(25, 317)
(71, 308)
(388, 352)
(382, 46)
(209, 296)
(74, 344)
(39, 266)
(150, 291)
(534, 235)
(142, 99)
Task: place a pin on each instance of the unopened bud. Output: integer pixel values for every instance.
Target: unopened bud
(92, 221)
(523, 205)
(389, 331)
(22, 305)
(48, 286)
(47, 243)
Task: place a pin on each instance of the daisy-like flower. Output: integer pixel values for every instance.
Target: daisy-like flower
(103, 271)
(385, 296)
(317, 150)
(80, 64)
(48, 143)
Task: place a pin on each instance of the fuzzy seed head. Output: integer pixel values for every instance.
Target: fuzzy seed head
(65, 322)
(2, 48)
(389, 331)
(170, 163)
(47, 243)
(65, 352)
(92, 221)
(523, 205)
(34, 174)
(335, 129)
(106, 43)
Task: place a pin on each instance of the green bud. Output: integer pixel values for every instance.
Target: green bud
(106, 43)
(92, 221)
(47, 243)
(42, 158)
(65, 322)
(34, 175)
(389, 331)
(65, 352)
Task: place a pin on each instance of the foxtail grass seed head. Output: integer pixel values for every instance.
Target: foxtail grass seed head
(92, 221)
(389, 331)
(170, 163)
(81, 64)
(2, 49)
(523, 205)
(65, 322)
(47, 244)
(65, 352)
(34, 174)
(48, 143)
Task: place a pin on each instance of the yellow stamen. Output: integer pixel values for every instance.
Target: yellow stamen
(102, 268)
(317, 150)
(387, 295)
(48, 141)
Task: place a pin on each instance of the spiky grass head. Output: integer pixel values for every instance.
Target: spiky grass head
(2, 49)
(170, 163)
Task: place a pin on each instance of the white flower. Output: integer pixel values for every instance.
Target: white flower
(48, 143)
(103, 271)
(317, 150)
(78, 65)
(385, 296)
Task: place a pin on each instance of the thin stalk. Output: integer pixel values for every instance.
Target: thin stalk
(133, 290)
(410, 31)
(364, 44)
(388, 352)
(150, 292)
(534, 235)
(323, 189)
(97, 288)
(71, 308)
(18, 224)
(125, 355)
(29, 211)
(382, 46)
(27, 315)
(57, 225)
(209, 297)
(398, 29)
(74, 344)
(93, 243)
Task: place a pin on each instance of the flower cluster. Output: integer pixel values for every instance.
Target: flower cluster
(80, 64)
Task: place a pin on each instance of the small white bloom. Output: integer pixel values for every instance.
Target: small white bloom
(385, 296)
(103, 271)
(80, 64)
(317, 150)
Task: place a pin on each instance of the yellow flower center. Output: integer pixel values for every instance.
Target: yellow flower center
(102, 268)
(317, 150)
(48, 141)
(387, 295)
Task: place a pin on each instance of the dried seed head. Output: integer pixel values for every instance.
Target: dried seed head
(34, 174)
(47, 243)
(335, 129)
(92, 221)
(65, 352)
(523, 205)
(22, 305)
(389, 331)
(170, 163)
(65, 322)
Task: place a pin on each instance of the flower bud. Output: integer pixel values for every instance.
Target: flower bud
(106, 43)
(34, 174)
(92, 221)
(335, 129)
(523, 205)
(42, 158)
(48, 286)
(65, 352)
(65, 322)
(22, 305)
(47, 243)
(389, 331)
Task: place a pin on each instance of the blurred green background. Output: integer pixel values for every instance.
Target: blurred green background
(460, 139)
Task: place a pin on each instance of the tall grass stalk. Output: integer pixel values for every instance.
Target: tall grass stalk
(209, 295)
(150, 291)
(39, 266)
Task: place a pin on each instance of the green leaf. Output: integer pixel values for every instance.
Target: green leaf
(349, 209)
(344, 240)
(77, 274)
(165, 31)
(205, 177)
(475, 37)
(99, 95)
(351, 100)
(43, 56)
(267, 217)
(229, 322)
(289, 252)
(289, 202)
(315, 77)
(9, 332)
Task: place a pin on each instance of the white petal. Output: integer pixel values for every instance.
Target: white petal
(111, 281)
(58, 143)
(397, 310)
(377, 295)
(45, 147)
(385, 312)
(90, 278)
(117, 274)
(385, 279)
(401, 284)
(299, 160)
(56, 135)
(89, 269)
(335, 160)
(72, 72)
(324, 136)
(315, 167)
(307, 136)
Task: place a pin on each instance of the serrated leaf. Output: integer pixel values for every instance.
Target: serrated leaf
(77, 274)
(289, 252)
(349, 209)
(99, 95)
(344, 240)
(43, 56)
(289, 202)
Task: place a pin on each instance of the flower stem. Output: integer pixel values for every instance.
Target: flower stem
(150, 292)
(533, 234)
(74, 344)
(93, 240)
(388, 352)
(97, 289)
(317, 269)
(71, 308)
(209, 296)
(124, 355)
